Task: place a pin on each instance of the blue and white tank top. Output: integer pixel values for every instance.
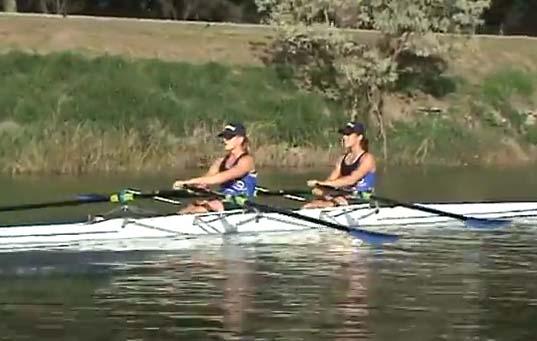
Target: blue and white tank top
(367, 183)
(242, 186)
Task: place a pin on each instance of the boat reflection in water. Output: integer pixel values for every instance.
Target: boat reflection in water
(238, 288)
(460, 287)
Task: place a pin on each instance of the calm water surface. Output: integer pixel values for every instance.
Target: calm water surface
(463, 286)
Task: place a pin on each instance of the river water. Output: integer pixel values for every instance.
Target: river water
(463, 286)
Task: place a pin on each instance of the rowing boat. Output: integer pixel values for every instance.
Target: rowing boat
(114, 233)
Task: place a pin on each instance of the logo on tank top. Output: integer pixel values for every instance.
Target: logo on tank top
(239, 185)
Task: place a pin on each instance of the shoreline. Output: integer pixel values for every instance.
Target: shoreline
(60, 163)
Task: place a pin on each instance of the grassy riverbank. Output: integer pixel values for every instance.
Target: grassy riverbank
(84, 111)
(67, 113)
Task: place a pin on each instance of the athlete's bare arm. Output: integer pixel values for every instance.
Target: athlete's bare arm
(245, 165)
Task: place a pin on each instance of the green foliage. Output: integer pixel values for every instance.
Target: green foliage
(431, 78)
(333, 62)
(9, 5)
(431, 139)
(114, 92)
(498, 88)
(531, 135)
(359, 74)
(505, 95)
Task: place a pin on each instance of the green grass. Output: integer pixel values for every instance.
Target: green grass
(504, 97)
(433, 140)
(531, 135)
(66, 113)
(69, 114)
(501, 86)
(114, 92)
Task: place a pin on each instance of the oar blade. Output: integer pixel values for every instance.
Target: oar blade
(373, 238)
(486, 224)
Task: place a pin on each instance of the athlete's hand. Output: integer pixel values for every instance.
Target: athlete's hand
(312, 183)
(317, 192)
(179, 184)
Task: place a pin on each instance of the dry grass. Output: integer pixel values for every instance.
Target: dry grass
(203, 42)
(68, 148)
(484, 55)
(163, 40)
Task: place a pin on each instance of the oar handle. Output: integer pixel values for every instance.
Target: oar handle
(342, 191)
(278, 192)
(183, 193)
(297, 195)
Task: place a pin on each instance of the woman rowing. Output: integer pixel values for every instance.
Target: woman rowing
(354, 172)
(235, 173)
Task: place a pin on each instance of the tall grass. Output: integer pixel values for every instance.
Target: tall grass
(507, 94)
(59, 147)
(500, 87)
(432, 140)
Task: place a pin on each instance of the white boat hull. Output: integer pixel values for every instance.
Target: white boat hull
(157, 232)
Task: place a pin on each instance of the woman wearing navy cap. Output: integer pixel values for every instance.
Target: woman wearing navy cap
(355, 171)
(235, 172)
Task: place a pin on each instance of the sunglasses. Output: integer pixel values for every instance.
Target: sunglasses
(228, 137)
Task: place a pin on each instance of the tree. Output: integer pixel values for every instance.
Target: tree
(52, 6)
(10, 5)
(317, 38)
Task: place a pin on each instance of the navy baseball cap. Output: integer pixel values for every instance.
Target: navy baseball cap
(352, 127)
(232, 130)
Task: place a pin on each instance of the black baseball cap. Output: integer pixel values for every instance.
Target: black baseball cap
(233, 129)
(352, 127)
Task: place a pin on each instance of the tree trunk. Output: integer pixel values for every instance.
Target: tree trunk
(43, 6)
(10, 5)
(188, 9)
(168, 9)
(355, 104)
(375, 97)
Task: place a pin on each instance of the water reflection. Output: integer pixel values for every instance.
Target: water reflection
(238, 288)
(436, 286)
(235, 291)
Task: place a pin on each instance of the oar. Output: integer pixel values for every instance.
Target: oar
(471, 222)
(297, 195)
(121, 197)
(85, 199)
(364, 235)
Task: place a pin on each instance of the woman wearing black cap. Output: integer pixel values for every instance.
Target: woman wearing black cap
(235, 172)
(355, 171)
